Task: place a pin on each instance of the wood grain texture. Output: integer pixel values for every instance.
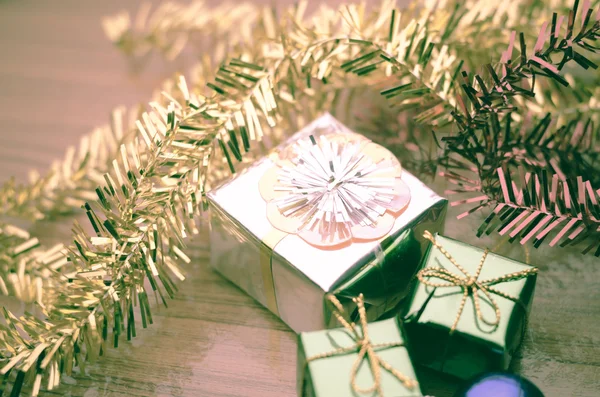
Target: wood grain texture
(59, 78)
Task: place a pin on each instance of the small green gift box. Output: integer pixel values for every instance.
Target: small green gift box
(356, 361)
(468, 312)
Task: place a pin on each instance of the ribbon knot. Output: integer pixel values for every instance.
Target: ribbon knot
(366, 349)
(470, 284)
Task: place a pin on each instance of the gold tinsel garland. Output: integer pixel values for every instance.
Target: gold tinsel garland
(150, 195)
(452, 27)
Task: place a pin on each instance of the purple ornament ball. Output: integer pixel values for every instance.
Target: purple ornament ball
(499, 384)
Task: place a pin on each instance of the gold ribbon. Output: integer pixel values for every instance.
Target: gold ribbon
(272, 238)
(470, 284)
(365, 348)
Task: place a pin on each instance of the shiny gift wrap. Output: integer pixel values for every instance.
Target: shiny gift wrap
(475, 345)
(288, 274)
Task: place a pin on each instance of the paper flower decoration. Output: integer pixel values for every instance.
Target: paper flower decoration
(335, 189)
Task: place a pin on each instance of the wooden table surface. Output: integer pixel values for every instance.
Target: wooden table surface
(59, 77)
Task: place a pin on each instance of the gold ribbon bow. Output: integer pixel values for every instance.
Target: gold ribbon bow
(470, 285)
(365, 348)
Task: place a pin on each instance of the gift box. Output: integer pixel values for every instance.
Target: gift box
(336, 363)
(468, 313)
(328, 211)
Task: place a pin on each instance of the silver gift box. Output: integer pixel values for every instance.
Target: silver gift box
(290, 276)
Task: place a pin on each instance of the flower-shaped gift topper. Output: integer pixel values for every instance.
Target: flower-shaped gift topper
(335, 189)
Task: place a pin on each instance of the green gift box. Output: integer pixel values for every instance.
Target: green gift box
(468, 319)
(332, 375)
